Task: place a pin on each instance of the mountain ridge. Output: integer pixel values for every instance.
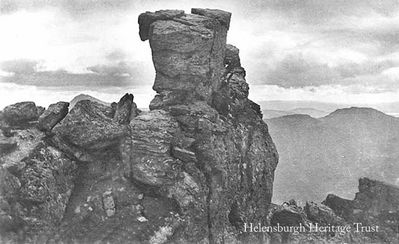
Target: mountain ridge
(348, 143)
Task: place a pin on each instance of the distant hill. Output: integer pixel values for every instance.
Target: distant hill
(328, 155)
(292, 105)
(270, 113)
(315, 113)
(81, 97)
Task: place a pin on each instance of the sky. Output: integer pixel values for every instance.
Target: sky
(333, 51)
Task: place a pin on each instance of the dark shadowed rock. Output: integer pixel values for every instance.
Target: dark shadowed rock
(6, 145)
(376, 204)
(320, 213)
(88, 126)
(40, 110)
(52, 116)
(126, 109)
(376, 196)
(232, 58)
(22, 112)
(342, 207)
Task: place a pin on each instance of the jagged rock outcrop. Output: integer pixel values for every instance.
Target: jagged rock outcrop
(225, 150)
(52, 116)
(303, 221)
(376, 204)
(373, 197)
(36, 181)
(89, 126)
(22, 112)
(193, 169)
(188, 52)
(126, 109)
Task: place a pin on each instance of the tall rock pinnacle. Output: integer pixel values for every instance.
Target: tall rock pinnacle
(222, 159)
(193, 169)
(188, 52)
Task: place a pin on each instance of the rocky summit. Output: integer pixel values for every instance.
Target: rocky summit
(194, 168)
(198, 167)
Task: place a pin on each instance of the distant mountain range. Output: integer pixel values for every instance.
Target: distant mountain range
(329, 154)
(315, 113)
(280, 107)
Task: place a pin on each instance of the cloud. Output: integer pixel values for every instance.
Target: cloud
(73, 7)
(288, 43)
(22, 66)
(122, 74)
(321, 11)
(116, 55)
(121, 69)
(297, 71)
(61, 78)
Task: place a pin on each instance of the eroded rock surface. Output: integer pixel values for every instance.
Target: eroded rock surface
(36, 188)
(89, 126)
(193, 169)
(22, 113)
(52, 116)
(376, 204)
(188, 52)
(222, 145)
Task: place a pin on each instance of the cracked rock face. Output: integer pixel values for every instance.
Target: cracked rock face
(188, 52)
(52, 116)
(193, 169)
(376, 204)
(22, 112)
(88, 126)
(228, 166)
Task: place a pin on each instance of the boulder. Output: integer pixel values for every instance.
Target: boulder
(342, 207)
(319, 213)
(376, 204)
(126, 109)
(26, 140)
(19, 113)
(376, 196)
(88, 126)
(52, 116)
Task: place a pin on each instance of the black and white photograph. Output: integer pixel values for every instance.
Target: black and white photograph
(199, 121)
